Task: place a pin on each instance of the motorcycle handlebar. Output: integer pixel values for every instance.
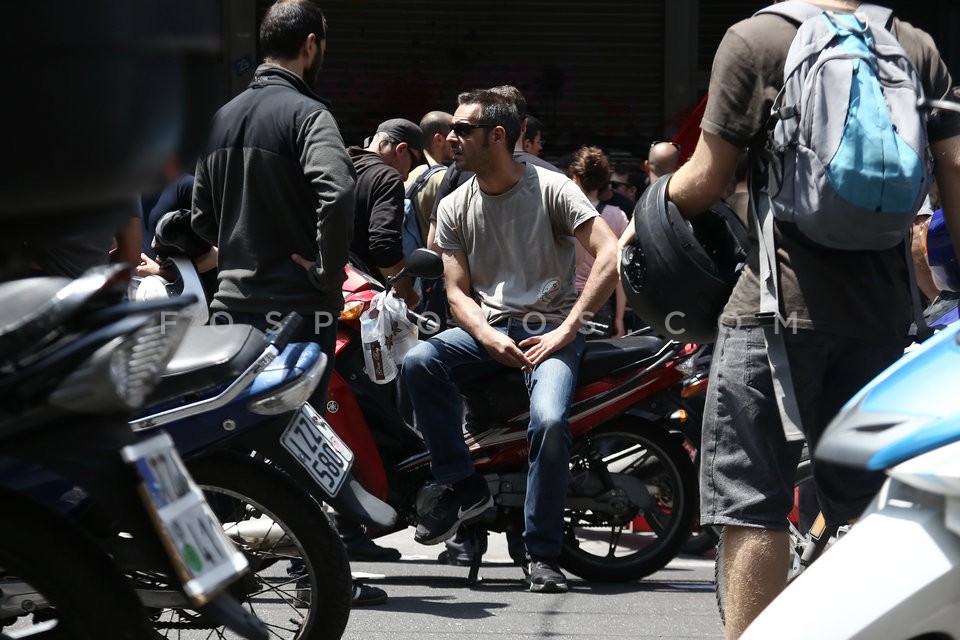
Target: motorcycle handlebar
(425, 323)
(281, 336)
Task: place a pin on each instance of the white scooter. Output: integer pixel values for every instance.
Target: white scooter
(896, 574)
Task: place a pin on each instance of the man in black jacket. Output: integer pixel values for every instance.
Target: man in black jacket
(274, 188)
(274, 191)
(381, 167)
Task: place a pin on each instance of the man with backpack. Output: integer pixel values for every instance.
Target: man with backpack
(842, 312)
(423, 183)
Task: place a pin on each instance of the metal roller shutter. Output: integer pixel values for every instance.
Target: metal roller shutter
(593, 72)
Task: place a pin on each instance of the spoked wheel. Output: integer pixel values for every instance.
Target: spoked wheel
(53, 565)
(299, 584)
(649, 468)
(804, 510)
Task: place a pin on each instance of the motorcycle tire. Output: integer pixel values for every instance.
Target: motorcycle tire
(308, 602)
(599, 549)
(89, 597)
(803, 489)
(701, 540)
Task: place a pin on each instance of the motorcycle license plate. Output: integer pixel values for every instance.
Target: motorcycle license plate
(315, 445)
(204, 558)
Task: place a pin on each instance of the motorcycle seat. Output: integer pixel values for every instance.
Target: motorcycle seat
(209, 356)
(602, 358)
(498, 396)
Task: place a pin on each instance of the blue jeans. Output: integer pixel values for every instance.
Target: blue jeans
(429, 370)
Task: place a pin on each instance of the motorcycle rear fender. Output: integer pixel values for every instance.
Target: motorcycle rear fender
(896, 574)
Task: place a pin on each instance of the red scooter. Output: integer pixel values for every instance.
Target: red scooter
(632, 496)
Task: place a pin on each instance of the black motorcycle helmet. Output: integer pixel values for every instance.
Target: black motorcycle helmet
(679, 273)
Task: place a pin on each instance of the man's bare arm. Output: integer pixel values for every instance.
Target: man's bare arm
(702, 180)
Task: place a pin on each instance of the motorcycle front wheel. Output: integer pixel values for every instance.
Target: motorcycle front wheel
(596, 546)
(78, 592)
(299, 584)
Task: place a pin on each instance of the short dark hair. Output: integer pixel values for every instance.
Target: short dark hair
(287, 24)
(513, 94)
(495, 108)
(432, 123)
(534, 127)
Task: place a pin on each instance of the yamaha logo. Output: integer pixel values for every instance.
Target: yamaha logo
(332, 406)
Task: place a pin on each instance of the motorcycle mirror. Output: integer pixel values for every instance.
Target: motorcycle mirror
(423, 263)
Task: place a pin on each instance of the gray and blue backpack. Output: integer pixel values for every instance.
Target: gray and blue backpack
(848, 152)
(846, 157)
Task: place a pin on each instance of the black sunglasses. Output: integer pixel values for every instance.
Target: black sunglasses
(463, 129)
(616, 185)
(415, 159)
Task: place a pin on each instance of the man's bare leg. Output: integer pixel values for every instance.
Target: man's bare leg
(756, 562)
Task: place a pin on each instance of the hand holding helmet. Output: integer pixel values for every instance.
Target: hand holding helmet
(678, 274)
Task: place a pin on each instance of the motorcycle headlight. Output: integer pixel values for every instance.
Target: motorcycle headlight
(132, 364)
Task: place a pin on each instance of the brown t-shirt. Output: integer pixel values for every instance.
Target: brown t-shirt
(855, 293)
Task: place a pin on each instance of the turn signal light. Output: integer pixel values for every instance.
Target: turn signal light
(352, 310)
(695, 388)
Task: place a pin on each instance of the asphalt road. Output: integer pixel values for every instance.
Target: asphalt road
(429, 601)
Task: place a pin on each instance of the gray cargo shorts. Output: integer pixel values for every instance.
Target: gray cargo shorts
(747, 467)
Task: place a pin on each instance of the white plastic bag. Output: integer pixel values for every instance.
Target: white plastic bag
(402, 334)
(373, 334)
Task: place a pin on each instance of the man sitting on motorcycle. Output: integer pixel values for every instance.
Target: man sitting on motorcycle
(507, 237)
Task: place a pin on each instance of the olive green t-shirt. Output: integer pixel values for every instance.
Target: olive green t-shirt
(856, 293)
(520, 245)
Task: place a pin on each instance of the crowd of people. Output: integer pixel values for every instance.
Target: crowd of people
(284, 203)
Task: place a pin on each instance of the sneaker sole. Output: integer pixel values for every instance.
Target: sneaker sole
(550, 587)
(467, 516)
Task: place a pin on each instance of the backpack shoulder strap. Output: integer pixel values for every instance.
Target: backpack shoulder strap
(421, 179)
(795, 11)
(876, 14)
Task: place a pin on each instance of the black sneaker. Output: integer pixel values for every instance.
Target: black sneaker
(464, 501)
(363, 549)
(544, 576)
(366, 596)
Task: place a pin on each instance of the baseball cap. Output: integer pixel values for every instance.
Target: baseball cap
(402, 130)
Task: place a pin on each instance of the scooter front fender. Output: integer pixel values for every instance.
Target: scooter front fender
(895, 575)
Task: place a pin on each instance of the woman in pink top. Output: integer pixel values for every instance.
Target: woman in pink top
(590, 169)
